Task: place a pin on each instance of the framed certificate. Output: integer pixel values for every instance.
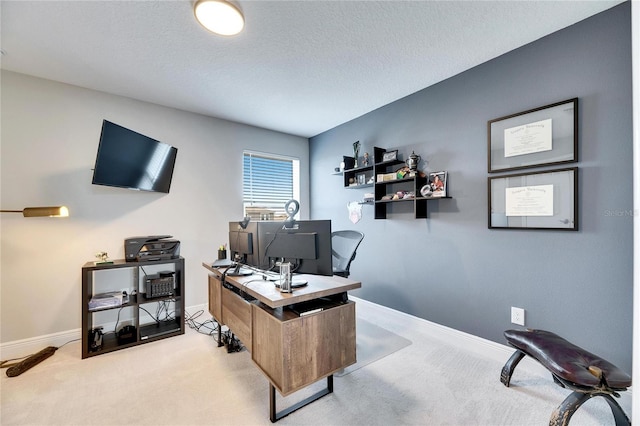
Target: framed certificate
(539, 200)
(538, 137)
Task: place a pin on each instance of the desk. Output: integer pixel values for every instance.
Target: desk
(291, 350)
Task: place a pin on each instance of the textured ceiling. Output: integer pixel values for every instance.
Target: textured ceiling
(300, 67)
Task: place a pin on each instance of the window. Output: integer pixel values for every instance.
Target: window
(268, 182)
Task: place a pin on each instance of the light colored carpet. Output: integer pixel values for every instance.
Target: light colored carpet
(373, 343)
(188, 380)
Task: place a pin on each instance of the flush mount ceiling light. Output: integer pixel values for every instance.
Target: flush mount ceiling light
(219, 16)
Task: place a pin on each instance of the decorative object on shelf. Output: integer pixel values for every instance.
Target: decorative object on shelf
(537, 137)
(412, 163)
(103, 258)
(361, 178)
(369, 197)
(438, 182)
(402, 172)
(355, 211)
(390, 156)
(386, 177)
(537, 200)
(341, 169)
(425, 191)
(349, 162)
(403, 195)
(365, 161)
(356, 152)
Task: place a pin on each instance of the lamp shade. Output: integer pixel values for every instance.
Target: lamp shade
(219, 16)
(57, 211)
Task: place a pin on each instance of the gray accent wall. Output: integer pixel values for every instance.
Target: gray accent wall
(450, 268)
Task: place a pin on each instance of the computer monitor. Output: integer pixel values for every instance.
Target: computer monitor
(243, 243)
(306, 244)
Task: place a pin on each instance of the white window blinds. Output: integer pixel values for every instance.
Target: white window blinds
(269, 181)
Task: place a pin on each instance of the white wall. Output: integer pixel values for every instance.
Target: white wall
(49, 139)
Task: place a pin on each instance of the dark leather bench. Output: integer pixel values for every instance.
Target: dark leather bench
(573, 368)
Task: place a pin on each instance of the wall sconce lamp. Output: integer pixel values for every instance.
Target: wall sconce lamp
(219, 16)
(59, 211)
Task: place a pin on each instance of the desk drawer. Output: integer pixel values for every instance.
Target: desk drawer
(236, 314)
(297, 352)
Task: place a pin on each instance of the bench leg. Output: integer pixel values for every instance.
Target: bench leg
(618, 412)
(570, 405)
(507, 370)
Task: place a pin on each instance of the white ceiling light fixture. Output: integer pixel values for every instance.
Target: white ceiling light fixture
(219, 16)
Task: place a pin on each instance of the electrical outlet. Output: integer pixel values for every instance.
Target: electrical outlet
(517, 316)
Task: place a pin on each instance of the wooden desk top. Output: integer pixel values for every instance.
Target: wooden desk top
(267, 293)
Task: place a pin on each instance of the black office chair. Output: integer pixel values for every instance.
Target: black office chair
(344, 245)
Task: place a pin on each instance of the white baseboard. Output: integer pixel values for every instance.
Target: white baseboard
(493, 350)
(26, 347)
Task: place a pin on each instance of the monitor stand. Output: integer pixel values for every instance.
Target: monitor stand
(295, 283)
(238, 271)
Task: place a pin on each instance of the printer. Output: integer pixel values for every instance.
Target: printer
(151, 247)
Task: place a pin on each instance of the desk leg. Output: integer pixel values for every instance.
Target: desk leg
(220, 335)
(275, 416)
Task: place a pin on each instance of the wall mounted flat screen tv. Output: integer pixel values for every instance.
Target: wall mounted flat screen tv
(128, 159)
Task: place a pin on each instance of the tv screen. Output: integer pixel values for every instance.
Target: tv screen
(128, 159)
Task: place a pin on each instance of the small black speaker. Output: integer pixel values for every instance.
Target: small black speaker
(127, 334)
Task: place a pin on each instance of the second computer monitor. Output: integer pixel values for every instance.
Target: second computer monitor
(306, 245)
(243, 243)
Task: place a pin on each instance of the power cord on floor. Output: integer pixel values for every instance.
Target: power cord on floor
(208, 327)
(19, 367)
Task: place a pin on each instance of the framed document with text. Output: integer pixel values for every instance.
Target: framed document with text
(538, 137)
(539, 200)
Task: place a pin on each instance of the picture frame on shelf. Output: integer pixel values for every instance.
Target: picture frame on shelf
(438, 184)
(389, 155)
(537, 137)
(546, 200)
(361, 179)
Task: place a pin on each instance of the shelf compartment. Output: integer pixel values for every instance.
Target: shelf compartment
(366, 185)
(388, 182)
(161, 329)
(109, 344)
(145, 299)
(131, 301)
(352, 174)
